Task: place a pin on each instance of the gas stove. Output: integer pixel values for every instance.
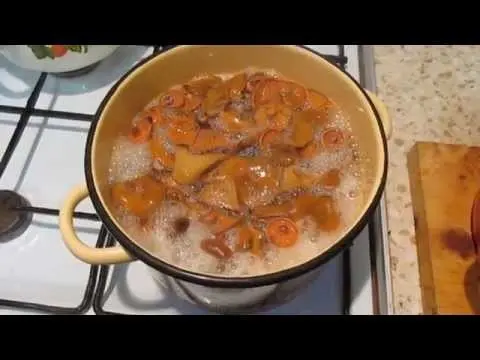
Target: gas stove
(44, 120)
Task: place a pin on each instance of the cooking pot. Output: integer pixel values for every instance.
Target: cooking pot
(177, 65)
(56, 58)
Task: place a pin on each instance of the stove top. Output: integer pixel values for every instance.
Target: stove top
(44, 120)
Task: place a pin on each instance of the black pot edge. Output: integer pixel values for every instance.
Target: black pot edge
(211, 280)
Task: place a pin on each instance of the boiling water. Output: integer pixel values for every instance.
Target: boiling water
(130, 161)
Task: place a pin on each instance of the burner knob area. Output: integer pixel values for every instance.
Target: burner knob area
(14, 218)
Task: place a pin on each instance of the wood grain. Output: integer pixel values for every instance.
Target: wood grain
(444, 179)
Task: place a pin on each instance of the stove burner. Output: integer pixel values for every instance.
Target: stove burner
(13, 223)
(78, 72)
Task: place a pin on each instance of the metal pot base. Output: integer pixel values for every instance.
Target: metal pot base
(269, 303)
(277, 296)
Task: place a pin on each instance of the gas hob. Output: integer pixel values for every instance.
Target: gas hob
(44, 120)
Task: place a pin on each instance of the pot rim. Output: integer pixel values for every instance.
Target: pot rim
(217, 281)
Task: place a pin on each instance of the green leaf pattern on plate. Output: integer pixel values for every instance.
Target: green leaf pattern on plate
(45, 51)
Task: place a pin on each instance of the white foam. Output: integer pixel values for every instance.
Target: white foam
(338, 118)
(160, 134)
(349, 197)
(326, 161)
(129, 160)
(180, 249)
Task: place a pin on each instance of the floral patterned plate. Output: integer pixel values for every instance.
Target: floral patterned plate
(56, 58)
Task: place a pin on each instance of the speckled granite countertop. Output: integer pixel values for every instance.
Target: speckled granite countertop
(432, 95)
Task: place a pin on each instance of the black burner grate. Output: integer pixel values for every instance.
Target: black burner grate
(94, 292)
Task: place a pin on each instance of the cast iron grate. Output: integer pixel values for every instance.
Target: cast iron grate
(93, 294)
(99, 298)
(25, 114)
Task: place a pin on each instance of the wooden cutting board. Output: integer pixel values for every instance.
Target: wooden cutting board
(444, 179)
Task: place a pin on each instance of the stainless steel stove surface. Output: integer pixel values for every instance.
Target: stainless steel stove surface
(44, 121)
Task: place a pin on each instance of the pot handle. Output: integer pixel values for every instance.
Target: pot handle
(86, 253)
(382, 112)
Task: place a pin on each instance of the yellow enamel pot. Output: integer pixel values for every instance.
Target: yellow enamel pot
(370, 123)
